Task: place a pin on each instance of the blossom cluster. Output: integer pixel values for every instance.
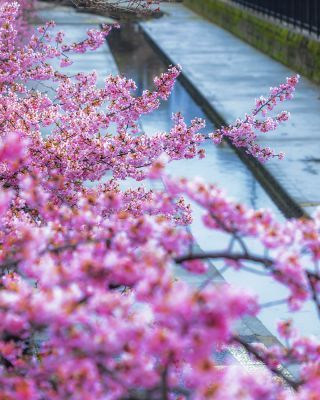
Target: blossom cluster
(244, 132)
(90, 304)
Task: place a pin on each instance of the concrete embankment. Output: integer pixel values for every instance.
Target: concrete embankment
(225, 75)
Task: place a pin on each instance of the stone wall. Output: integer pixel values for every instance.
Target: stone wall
(293, 49)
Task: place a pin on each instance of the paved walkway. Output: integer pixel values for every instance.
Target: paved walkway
(75, 24)
(230, 74)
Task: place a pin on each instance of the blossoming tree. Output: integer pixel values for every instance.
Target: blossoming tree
(90, 306)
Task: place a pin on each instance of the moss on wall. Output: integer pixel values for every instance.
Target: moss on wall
(292, 49)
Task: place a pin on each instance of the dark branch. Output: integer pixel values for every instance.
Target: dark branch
(277, 371)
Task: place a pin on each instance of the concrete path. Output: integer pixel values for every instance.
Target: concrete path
(75, 24)
(230, 74)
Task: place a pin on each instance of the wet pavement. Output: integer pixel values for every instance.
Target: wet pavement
(75, 24)
(230, 74)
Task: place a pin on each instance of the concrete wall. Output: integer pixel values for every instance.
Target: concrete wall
(291, 48)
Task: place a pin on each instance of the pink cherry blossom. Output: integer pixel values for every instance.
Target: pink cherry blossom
(92, 304)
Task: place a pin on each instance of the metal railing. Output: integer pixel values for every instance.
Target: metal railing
(302, 14)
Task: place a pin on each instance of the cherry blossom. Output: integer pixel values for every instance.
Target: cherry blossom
(91, 304)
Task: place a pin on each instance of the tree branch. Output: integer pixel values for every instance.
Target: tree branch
(277, 371)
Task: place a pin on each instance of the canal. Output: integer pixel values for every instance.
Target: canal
(138, 60)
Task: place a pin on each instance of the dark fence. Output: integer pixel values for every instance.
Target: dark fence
(303, 14)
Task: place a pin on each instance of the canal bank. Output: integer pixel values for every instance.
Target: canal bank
(74, 24)
(137, 59)
(296, 48)
(220, 166)
(225, 75)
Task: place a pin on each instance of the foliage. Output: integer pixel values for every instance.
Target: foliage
(90, 305)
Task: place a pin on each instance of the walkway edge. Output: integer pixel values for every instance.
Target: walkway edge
(288, 206)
